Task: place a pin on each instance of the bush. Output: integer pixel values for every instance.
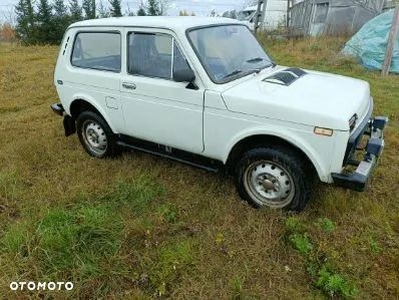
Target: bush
(7, 33)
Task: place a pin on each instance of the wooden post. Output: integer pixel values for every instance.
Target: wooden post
(257, 17)
(260, 16)
(263, 16)
(391, 42)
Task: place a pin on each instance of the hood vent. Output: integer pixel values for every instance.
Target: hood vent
(286, 77)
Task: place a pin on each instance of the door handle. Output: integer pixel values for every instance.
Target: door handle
(129, 86)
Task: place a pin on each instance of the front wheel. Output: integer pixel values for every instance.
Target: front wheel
(95, 135)
(273, 177)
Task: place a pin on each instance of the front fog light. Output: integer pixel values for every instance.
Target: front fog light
(323, 131)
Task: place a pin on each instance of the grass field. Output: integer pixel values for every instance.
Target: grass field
(143, 227)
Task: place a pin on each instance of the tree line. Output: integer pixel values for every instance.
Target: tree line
(45, 22)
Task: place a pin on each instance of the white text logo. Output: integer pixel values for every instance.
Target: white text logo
(41, 286)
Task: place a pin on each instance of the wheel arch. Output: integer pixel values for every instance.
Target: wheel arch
(258, 140)
(82, 103)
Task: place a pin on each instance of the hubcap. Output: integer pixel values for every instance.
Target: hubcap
(269, 184)
(94, 137)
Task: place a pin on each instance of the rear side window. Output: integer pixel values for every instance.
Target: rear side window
(97, 50)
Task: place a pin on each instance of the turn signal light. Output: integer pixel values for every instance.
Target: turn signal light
(323, 131)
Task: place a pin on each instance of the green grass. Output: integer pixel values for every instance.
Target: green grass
(144, 227)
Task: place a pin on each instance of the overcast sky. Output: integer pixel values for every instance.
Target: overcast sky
(199, 7)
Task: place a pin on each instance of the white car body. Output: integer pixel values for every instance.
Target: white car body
(211, 120)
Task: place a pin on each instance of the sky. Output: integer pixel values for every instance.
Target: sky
(199, 7)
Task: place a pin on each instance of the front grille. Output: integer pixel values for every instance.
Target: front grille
(351, 148)
(357, 135)
(352, 122)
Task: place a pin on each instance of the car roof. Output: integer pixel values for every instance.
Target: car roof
(177, 23)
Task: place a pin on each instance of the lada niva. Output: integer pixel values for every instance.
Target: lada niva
(204, 92)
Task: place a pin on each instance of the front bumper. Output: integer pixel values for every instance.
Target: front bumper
(58, 109)
(358, 179)
(69, 122)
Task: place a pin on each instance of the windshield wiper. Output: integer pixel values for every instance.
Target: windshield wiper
(259, 59)
(236, 72)
(255, 60)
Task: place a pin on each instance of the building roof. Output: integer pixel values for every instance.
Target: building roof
(173, 23)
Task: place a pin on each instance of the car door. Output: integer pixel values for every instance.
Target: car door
(155, 107)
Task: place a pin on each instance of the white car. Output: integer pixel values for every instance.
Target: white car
(204, 92)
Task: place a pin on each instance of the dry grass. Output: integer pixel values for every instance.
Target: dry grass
(143, 227)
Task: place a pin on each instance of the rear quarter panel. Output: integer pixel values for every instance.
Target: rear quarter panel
(97, 87)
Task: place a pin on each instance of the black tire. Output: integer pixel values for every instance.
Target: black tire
(92, 129)
(274, 176)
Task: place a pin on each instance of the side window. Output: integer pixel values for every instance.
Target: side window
(97, 50)
(154, 55)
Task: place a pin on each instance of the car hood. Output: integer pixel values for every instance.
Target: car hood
(315, 99)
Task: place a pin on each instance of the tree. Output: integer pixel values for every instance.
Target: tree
(141, 11)
(233, 14)
(226, 14)
(25, 17)
(22, 27)
(102, 11)
(60, 19)
(154, 8)
(8, 14)
(89, 7)
(183, 13)
(75, 11)
(46, 29)
(213, 13)
(115, 8)
(129, 12)
(163, 6)
(60, 9)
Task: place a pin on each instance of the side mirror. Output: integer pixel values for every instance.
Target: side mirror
(185, 75)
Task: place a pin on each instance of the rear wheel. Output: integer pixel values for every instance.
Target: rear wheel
(273, 177)
(95, 135)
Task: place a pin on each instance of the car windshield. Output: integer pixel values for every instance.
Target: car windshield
(228, 52)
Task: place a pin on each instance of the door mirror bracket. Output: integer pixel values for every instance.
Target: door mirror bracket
(185, 75)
